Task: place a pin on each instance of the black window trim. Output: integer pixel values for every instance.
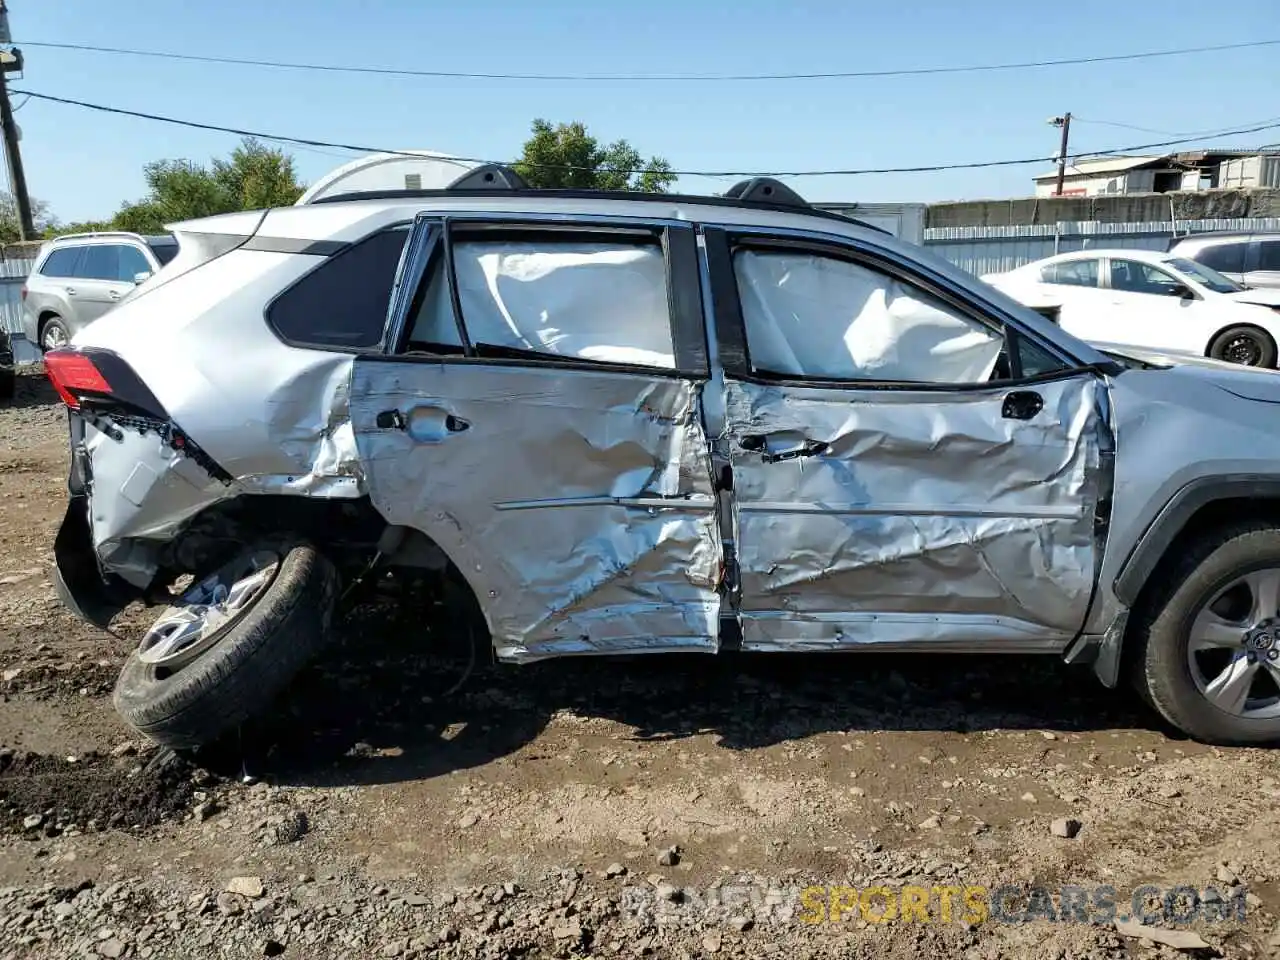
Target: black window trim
(1254, 262)
(676, 239)
(731, 337)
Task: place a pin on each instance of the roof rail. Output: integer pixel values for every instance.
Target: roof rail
(98, 233)
(767, 190)
(491, 176)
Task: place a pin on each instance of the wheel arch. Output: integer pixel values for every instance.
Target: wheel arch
(1199, 505)
(351, 531)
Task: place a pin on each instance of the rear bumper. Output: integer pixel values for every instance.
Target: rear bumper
(78, 579)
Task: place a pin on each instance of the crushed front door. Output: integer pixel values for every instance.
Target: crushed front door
(960, 518)
(573, 488)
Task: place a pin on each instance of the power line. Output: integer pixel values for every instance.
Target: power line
(930, 168)
(1213, 131)
(641, 77)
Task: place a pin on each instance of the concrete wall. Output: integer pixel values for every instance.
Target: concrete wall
(1130, 208)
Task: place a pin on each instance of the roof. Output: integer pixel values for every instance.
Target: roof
(1102, 165)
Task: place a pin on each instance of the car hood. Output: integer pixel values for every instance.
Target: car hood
(1260, 295)
(1249, 383)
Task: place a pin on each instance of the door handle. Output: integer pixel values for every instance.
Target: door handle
(424, 424)
(70, 290)
(1021, 405)
(114, 294)
(810, 448)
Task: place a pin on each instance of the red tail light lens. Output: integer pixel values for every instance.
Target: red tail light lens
(72, 374)
(23, 291)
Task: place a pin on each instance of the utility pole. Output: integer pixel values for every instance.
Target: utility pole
(11, 62)
(1064, 122)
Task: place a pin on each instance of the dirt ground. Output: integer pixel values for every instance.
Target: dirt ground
(664, 807)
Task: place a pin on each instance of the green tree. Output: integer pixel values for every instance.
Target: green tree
(9, 228)
(565, 156)
(253, 177)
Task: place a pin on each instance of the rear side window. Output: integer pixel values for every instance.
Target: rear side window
(1223, 257)
(343, 302)
(62, 262)
(164, 252)
(1269, 255)
(1073, 273)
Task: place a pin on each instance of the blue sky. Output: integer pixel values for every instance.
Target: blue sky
(85, 164)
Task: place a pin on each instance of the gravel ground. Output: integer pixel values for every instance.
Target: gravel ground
(662, 807)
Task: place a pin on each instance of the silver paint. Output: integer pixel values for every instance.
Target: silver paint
(929, 517)
(577, 503)
(142, 491)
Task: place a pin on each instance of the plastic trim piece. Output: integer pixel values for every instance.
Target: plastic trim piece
(1173, 518)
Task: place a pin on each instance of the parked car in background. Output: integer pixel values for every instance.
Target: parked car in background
(1251, 259)
(79, 277)
(8, 377)
(624, 423)
(1158, 301)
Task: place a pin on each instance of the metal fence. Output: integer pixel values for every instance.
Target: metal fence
(13, 271)
(996, 249)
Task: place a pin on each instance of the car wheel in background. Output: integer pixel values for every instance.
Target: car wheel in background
(1250, 346)
(54, 334)
(1207, 641)
(222, 653)
(8, 383)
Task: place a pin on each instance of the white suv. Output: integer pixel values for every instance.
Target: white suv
(1252, 259)
(79, 277)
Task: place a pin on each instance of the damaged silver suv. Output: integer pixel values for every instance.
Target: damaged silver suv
(628, 423)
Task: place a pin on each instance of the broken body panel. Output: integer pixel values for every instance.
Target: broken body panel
(581, 504)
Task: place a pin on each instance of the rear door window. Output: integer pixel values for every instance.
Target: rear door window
(1072, 273)
(101, 262)
(62, 262)
(1223, 257)
(343, 302)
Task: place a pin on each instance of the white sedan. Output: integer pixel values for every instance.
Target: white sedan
(1142, 298)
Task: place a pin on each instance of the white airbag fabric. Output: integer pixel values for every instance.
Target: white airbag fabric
(821, 317)
(603, 302)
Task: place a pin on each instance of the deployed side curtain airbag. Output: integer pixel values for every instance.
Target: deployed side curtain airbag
(593, 301)
(816, 316)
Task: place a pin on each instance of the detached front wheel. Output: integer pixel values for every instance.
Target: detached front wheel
(229, 646)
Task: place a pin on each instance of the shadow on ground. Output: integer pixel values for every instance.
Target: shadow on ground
(372, 711)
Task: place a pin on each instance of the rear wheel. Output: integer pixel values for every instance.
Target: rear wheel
(1249, 346)
(233, 642)
(54, 334)
(1208, 649)
(8, 383)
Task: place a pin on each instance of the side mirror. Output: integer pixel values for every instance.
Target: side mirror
(1182, 292)
(141, 277)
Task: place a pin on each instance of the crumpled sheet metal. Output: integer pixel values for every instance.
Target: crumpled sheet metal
(308, 430)
(927, 519)
(579, 505)
(142, 492)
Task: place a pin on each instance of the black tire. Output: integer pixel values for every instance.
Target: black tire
(1162, 628)
(1254, 341)
(250, 665)
(53, 323)
(8, 383)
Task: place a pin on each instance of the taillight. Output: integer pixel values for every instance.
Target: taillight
(74, 374)
(22, 291)
(101, 378)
